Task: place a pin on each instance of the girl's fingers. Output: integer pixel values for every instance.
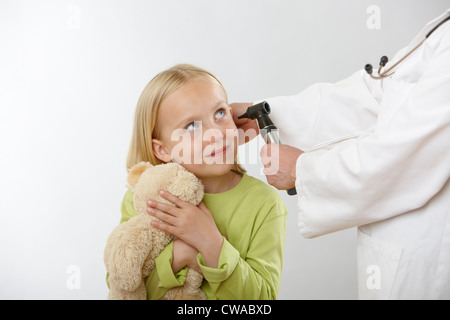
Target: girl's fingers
(170, 197)
(167, 218)
(163, 227)
(202, 207)
(164, 207)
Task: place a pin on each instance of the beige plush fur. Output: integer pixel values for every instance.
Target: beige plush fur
(132, 247)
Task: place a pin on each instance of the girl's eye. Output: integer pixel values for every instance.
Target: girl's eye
(192, 126)
(220, 113)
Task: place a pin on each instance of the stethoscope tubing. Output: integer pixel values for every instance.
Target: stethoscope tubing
(389, 72)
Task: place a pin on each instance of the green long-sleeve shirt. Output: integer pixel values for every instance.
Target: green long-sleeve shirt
(253, 217)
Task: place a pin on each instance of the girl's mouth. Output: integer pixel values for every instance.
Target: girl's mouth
(219, 152)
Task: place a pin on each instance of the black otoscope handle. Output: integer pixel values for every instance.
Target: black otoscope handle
(292, 191)
(268, 130)
(270, 135)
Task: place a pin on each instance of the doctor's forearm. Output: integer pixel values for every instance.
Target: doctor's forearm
(325, 112)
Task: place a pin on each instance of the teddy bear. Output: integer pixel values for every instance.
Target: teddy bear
(132, 246)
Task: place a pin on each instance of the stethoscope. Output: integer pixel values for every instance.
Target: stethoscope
(389, 72)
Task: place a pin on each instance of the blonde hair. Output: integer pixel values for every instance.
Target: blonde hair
(145, 125)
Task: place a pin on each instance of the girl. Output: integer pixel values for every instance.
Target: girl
(235, 237)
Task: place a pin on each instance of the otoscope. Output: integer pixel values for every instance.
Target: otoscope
(269, 131)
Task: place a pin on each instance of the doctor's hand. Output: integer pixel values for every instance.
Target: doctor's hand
(248, 129)
(279, 165)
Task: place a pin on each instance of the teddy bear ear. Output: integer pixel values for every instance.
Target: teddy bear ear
(136, 171)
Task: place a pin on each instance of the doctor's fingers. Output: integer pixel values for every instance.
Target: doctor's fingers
(270, 150)
(271, 169)
(247, 128)
(276, 181)
(237, 109)
(266, 154)
(270, 159)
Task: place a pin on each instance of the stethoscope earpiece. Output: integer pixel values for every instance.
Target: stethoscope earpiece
(383, 61)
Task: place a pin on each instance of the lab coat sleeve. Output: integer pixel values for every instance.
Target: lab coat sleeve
(390, 170)
(325, 113)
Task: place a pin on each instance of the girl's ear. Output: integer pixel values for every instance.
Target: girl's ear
(160, 151)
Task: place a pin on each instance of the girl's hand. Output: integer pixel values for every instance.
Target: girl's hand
(194, 225)
(184, 255)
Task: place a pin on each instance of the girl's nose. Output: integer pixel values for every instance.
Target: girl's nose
(213, 134)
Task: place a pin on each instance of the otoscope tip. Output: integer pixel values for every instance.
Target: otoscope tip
(245, 115)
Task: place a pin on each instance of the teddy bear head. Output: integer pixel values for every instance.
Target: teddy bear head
(146, 180)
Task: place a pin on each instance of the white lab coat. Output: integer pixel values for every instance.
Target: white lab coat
(378, 157)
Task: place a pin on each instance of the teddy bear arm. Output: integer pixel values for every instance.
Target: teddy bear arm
(129, 251)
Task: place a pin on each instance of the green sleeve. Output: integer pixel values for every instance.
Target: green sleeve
(127, 208)
(258, 275)
(162, 277)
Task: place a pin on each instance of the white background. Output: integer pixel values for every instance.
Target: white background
(70, 76)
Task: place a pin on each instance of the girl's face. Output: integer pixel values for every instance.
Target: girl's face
(197, 129)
